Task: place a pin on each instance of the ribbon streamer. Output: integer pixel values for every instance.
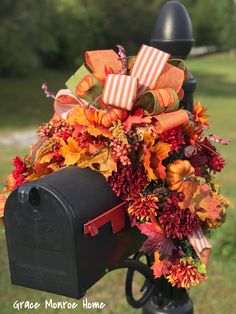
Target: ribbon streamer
(201, 245)
(100, 60)
(170, 120)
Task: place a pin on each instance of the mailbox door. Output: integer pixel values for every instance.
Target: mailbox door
(89, 196)
(41, 241)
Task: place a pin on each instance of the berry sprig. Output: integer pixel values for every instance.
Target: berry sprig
(58, 127)
(121, 152)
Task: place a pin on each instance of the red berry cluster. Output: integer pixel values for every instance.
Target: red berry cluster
(121, 152)
(57, 127)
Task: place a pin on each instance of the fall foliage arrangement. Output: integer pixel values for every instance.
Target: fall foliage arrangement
(121, 117)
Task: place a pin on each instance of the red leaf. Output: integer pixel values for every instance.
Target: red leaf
(157, 240)
(136, 119)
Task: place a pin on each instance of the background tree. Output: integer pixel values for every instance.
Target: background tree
(55, 33)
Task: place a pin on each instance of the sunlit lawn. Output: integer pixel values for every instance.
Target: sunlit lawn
(26, 106)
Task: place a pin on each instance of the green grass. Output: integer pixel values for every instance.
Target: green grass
(216, 88)
(23, 101)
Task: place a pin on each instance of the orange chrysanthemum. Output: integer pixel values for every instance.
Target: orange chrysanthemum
(193, 134)
(144, 207)
(184, 274)
(199, 114)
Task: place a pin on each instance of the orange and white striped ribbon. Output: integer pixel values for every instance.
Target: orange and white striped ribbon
(200, 244)
(120, 91)
(148, 66)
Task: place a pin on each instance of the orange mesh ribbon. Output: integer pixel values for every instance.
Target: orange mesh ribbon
(167, 121)
(101, 61)
(201, 245)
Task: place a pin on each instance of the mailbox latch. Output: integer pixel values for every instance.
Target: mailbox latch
(116, 216)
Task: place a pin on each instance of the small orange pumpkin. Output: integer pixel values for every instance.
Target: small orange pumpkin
(11, 182)
(112, 116)
(104, 117)
(178, 173)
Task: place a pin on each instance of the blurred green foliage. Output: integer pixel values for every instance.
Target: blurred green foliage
(55, 33)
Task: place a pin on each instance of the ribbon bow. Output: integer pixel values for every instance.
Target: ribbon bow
(153, 83)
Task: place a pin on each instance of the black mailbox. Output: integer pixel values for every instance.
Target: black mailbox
(65, 231)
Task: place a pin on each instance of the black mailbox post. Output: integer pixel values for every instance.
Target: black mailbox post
(173, 33)
(61, 235)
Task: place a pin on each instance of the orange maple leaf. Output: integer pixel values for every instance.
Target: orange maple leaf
(137, 118)
(160, 267)
(190, 189)
(71, 151)
(199, 199)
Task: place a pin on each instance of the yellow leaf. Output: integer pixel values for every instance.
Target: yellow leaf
(102, 162)
(32, 177)
(46, 158)
(108, 166)
(78, 115)
(96, 131)
(71, 151)
(54, 166)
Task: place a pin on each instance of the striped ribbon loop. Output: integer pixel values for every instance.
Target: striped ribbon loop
(201, 245)
(65, 101)
(148, 66)
(120, 91)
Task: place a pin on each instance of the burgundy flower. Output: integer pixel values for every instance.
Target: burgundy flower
(177, 222)
(216, 163)
(128, 182)
(207, 156)
(174, 137)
